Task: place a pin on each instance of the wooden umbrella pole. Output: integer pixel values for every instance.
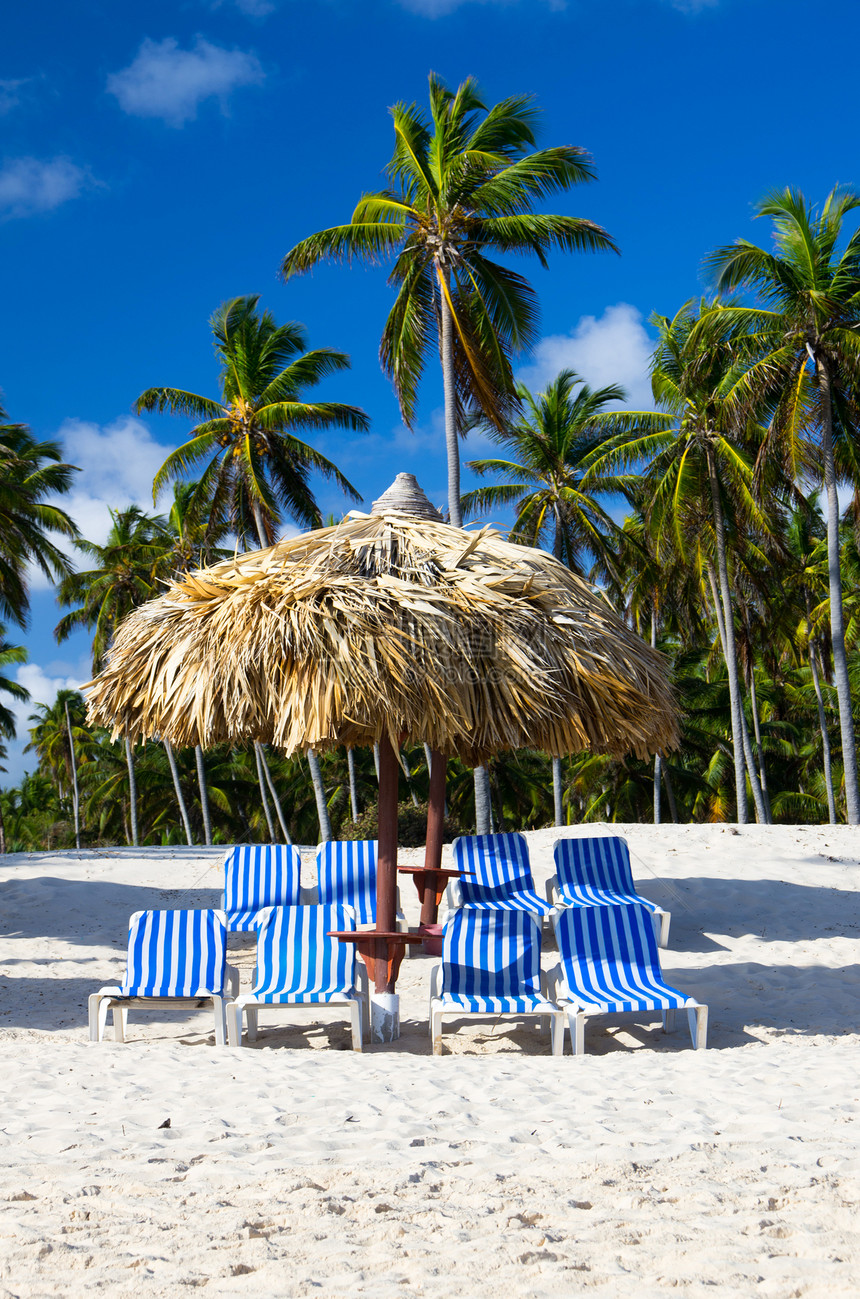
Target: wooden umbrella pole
(435, 835)
(386, 865)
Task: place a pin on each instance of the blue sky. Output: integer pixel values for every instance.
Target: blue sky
(157, 159)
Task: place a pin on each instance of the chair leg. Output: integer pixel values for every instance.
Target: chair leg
(251, 1016)
(220, 1021)
(665, 921)
(120, 1022)
(545, 1023)
(557, 1031)
(355, 1016)
(436, 1031)
(364, 994)
(234, 1023)
(104, 1007)
(576, 1022)
(668, 1021)
(93, 1016)
(698, 1020)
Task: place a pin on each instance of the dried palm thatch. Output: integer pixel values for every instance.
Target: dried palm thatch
(392, 623)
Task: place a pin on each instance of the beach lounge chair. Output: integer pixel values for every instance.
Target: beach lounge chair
(490, 967)
(610, 965)
(175, 958)
(347, 877)
(300, 965)
(258, 876)
(596, 872)
(496, 874)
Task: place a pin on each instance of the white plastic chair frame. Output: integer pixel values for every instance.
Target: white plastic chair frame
(554, 1019)
(249, 1006)
(111, 999)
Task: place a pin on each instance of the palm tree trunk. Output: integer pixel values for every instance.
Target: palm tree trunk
(258, 523)
(730, 655)
(558, 802)
(403, 767)
(319, 794)
(183, 810)
(658, 762)
(822, 726)
(262, 783)
(132, 791)
(353, 796)
(759, 747)
(76, 802)
(376, 761)
(279, 811)
(670, 793)
(837, 615)
(483, 801)
(204, 797)
(452, 432)
(2, 833)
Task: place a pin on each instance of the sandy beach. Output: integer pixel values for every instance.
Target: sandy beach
(297, 1167)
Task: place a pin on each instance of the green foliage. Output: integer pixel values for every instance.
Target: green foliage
(411, 825)
(254, 467)
(462, 189)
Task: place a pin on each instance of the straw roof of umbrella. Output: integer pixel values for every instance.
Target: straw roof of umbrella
(389, 623)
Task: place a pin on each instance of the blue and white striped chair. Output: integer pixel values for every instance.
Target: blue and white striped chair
(346, 874)
(175, 958)
(497, 875)
(610, 965)
(299, 964)
(596, 872)
(258, 876)
(490, 966)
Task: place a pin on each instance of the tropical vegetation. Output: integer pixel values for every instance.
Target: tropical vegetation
(722, 522)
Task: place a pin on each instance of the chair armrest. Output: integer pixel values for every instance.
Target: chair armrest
(453, 895)
(435, 982)
(551, 889)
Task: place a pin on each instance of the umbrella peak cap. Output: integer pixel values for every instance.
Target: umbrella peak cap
(405, 496)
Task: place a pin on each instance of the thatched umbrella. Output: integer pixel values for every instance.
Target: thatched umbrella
(388, 627)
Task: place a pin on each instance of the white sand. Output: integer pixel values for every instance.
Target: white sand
(496, 1170)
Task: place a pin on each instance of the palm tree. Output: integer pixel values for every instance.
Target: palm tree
(806, 342)
(554, 441)
(125, 575)
(195, 530)
(9, 654)
(700, 473)
(462, 186)
(255, 467)
(31, 473)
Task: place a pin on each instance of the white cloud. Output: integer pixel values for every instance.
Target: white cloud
(118, 462)
(28, 185)
(171, 83)
(612, 348)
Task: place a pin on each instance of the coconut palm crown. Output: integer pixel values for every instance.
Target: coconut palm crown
(462, 188)
(257, 468)
(558, 434)
(804, 340)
